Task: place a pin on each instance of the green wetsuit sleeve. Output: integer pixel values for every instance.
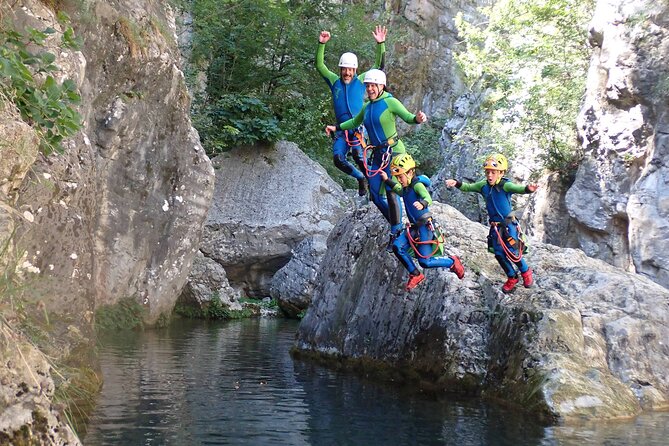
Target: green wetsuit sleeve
(380, 52)
(320, 65)
(355, 121)
(397, 187)
(398, 109)
(515, 188)
(472, 187)
(422, 192)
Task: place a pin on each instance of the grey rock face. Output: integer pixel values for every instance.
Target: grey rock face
(267, 200)
(119, 213)
(571, 346)
(26, 389)
(293, 285)
(619, 199)
(421, 69)
(207, 280)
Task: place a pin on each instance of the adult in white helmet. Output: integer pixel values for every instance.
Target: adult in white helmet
(378, 115)
(348, 92)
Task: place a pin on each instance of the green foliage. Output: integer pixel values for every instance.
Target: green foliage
(531, 60)
(214, 309)
(127, 314)
(26, 80)
(262, 85)
(423, 144)
(235, 119)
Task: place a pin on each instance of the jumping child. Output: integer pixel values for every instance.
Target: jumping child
(420, 236)
(503, 237)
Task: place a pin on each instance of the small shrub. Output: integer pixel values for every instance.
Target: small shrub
(26, 81)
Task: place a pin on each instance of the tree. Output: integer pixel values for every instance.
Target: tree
(261, 84)
(530, 59)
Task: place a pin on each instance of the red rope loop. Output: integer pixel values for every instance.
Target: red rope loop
(385, 161)
(510, 255)
(439, 240)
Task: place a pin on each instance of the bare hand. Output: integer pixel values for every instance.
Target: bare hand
(324, 36)
(380, 34)
(532, 187)
(421, 117)
(418, 205)
(384, 176)
(330, 129)
(451, 182)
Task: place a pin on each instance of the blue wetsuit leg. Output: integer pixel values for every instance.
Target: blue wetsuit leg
(394, 205)
(402, 250)
(500, 255)
(513, 232)
(426, 250)
(375, 185)
(340, 149)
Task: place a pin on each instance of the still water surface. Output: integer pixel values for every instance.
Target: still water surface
(234, 383)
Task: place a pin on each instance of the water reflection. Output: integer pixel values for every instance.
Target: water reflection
(234, 383)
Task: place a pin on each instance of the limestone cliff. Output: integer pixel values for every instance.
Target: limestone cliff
(620, 197)
(117, 215)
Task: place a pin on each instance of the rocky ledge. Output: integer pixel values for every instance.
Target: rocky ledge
(588, 340)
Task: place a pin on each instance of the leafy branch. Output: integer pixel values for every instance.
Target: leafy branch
(26, 79)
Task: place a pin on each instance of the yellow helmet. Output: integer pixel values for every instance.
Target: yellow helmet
(402, 163)
(496, 161)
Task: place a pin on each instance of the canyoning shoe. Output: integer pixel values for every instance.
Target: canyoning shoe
(528, 280)
(414, 281)
(362, 187)
(510, 284)
(457, 267)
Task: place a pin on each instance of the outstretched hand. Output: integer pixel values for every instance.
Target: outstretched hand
(451, 182)
(379, 33)
(532, 187)
(421, 117)
(330, 129)
(324, 36)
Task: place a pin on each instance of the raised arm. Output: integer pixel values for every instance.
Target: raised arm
(328, 75)
(379, 34)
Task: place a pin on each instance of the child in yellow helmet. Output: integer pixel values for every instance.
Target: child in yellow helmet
(503, 237)
(420, 236)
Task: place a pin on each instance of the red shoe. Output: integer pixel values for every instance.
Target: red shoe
(414, 281)
(457, 267)
(510, 284)
(528, 280)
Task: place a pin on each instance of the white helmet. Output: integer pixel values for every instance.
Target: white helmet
(348, 60)
(375, 76)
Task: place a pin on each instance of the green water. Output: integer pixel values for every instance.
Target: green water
(234, 383)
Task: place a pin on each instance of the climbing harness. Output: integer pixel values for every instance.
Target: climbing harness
(437, 240)
(356, 140)
(385, 160)
(522, 248)
(386, 157)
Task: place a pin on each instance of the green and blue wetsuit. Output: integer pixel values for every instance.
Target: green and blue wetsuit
(421, 226)
(499, 207)
(347, 100)
(379, 117)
